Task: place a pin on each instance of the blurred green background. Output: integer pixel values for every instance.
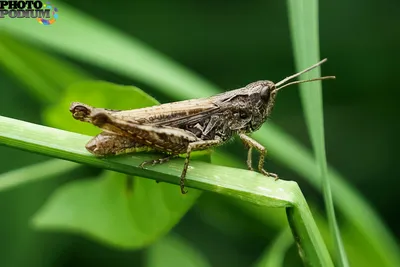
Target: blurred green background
(230, 44)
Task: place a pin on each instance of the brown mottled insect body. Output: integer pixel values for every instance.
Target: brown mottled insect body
(185, 126)
(111, 144)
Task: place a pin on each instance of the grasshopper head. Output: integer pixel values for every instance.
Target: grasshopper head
(266, 92)
(262, 100)
(264, 89)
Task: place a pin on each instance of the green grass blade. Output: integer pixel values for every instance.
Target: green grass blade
(71, 146)
(354, 206)
(282, 147)
(16, 65)
(300, 222)
(303, 16)
(245, 185)
(37, 172)
(139, 60)
(43, 75)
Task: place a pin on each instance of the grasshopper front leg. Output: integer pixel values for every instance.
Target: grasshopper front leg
(250, 143)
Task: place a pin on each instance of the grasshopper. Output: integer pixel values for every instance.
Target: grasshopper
(186, 126)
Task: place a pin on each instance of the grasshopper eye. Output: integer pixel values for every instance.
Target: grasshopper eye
(265, 93)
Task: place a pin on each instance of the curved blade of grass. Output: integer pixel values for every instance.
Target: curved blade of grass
(245, 185)
(351, 203)
(139, 60)
(40, 171)
(70, 146)
(43, 76)
(303, 16)
(282, 147)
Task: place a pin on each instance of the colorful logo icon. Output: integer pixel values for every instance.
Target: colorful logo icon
(54, 14)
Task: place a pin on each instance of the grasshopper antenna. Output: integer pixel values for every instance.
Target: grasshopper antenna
(299, 73)
(306, 81)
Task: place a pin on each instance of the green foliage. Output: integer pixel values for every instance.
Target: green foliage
(45, 77)
(174, 251)
(227, 181)
(111, 210)
(304, 26)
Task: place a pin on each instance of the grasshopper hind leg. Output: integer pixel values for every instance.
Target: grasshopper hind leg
(199, 145)
(157, 161)
(106, 144)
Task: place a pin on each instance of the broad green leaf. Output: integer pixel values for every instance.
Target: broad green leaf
(172, 251)
(112, 211)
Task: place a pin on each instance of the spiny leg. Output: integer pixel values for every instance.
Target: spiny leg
(249, 158)
(157, 161)
(253, 143)
(199, 145)
(249, 161)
